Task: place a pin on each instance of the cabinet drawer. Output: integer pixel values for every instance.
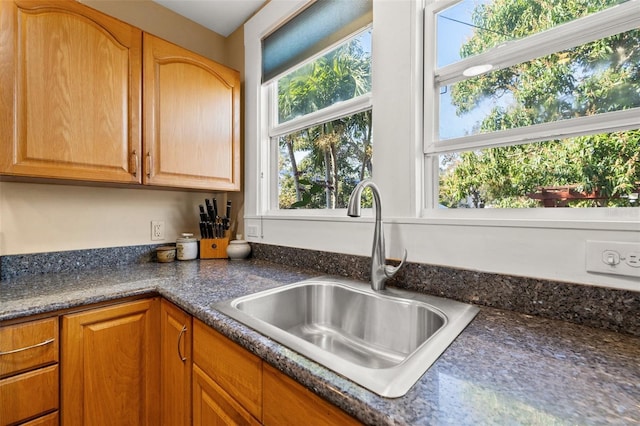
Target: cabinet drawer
(236, 370)
(29, 394)
(287, 402)
(28, 345)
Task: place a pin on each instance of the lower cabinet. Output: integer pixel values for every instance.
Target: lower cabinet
(144, 362)
(231, 386)
(110, 365)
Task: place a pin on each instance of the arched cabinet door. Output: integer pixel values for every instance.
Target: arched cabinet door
(70, 93)
(191, 119)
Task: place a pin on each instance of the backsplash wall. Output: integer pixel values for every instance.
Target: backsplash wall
(600, 307)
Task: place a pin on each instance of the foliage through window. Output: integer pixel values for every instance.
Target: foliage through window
(556, 128)
(323, 127)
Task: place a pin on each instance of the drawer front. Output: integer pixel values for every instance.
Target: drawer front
(236, 370)
(28, 345)
(28, 395)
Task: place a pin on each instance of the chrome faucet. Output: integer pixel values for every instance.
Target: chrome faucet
(380, 272)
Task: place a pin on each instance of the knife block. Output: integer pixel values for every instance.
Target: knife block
(213, 248)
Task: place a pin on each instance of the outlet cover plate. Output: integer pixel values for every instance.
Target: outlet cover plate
(157, 230)
(622, 257)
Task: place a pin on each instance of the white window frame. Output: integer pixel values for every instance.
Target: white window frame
(275, 129)
(620, 18)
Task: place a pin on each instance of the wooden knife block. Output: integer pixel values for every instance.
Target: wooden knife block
(213, 248)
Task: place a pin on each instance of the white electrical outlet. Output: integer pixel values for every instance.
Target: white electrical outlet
(157, 230)
(615, 258)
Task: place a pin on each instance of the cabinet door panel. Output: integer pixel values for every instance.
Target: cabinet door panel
(192, 119)
(212, 406)
(287, 402)
(175, 365)
(77, 80)
(110, 367)
(235, 369)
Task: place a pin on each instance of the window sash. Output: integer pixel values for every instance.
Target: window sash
(617, 19)
(330, 113)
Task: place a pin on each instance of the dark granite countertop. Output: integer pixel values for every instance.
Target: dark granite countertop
(505, 368)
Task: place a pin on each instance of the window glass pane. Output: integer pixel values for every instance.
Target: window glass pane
(319, 166)
(472, 27)
(588, 171)
(341, 74)
(597, 77)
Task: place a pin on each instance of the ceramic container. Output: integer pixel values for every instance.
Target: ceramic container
(186, 247)
(238, 249)
(166, 254)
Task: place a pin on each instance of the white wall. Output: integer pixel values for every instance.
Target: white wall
(37, 218)
(551, 247)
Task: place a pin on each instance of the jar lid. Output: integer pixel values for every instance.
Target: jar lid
(186, 238)
(165, 248)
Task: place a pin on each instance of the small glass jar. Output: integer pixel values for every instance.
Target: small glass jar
(238, 249)
(186, 247)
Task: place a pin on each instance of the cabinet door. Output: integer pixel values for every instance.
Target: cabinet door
(287, 402)
(213, 406)
(191, 119)
(175, 365)
(109, 365)
(232, 367)
(70, 92)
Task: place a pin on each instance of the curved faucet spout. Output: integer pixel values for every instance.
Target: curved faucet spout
(380, 271)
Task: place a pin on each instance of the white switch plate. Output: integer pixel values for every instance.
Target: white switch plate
(610, 257)
(253, 231)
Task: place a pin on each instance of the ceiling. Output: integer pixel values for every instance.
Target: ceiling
(221, 16)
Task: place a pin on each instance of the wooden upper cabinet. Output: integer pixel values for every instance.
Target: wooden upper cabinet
(191, 119)
(70, 93)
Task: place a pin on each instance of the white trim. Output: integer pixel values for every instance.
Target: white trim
(589, 125)
(330, 113)
(625, 221)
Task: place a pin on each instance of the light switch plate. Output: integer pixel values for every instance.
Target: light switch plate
(612, 257)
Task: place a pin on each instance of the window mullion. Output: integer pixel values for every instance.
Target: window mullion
(618, 19)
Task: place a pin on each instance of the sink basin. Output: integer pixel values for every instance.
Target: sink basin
(384, 341)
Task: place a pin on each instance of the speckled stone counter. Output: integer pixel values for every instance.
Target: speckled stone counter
(505, 368)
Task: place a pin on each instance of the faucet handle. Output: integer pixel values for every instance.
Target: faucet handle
(390, 271)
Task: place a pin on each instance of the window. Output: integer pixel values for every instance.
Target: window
(317, 73)
(322, 126)
(532, 104)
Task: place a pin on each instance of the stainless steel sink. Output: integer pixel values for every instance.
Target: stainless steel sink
(384, 340)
